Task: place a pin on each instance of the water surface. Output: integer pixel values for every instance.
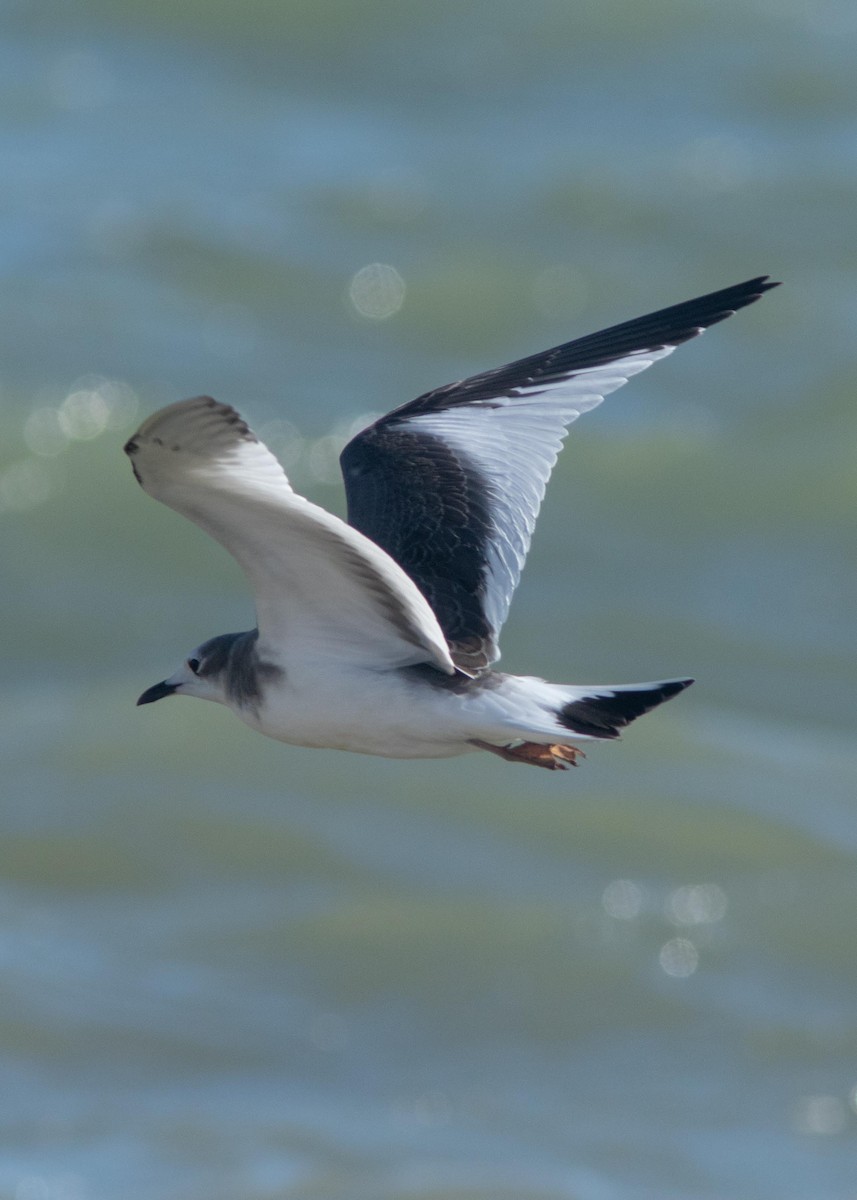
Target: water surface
(234, 969)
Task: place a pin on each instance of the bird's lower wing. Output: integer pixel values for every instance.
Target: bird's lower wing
(322, 589)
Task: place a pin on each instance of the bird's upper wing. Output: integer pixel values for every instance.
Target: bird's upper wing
(322, 589)
(450, 484)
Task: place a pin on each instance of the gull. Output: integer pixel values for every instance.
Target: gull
(380, 635)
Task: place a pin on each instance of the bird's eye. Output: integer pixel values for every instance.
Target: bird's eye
(193, 663)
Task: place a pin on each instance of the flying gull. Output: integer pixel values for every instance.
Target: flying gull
(380, 635)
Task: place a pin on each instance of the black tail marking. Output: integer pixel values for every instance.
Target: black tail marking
(604, 714)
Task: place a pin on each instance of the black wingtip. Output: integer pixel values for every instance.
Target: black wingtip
(729, 300)
(681, 322)
(667, 327)
(656, 330)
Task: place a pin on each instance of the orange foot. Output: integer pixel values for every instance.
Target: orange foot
(552, 758)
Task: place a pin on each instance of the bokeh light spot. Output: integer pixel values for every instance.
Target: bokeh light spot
(678, 958)
(377, 291)
(696, 904)
(622, 899)
(94, 405)
(121, 401)
(83, 415)
(24, 485)
(44, 434)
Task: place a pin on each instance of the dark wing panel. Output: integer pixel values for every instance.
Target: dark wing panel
(450, 484)
(427, 506)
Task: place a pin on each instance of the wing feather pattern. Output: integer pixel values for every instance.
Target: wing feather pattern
(450, 484)
(322, 589)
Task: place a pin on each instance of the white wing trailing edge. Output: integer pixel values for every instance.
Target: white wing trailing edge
(322, 589)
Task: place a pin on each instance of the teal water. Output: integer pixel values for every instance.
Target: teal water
(234, 970)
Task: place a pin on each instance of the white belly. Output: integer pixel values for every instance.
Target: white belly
(398, 714)
(368, 712)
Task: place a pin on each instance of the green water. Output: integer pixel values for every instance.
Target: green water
(234, 970)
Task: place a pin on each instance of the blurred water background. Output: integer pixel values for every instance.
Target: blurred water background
(234, 970)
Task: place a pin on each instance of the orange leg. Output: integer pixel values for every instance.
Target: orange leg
(552, 758)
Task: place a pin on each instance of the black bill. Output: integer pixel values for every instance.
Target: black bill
(157, 692)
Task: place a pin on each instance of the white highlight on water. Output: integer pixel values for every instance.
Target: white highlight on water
(377, 291)
(622, 899)
(678, 957)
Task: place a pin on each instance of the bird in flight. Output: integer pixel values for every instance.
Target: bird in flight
(380, 635)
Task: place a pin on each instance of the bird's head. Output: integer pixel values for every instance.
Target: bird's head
(203, 674)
